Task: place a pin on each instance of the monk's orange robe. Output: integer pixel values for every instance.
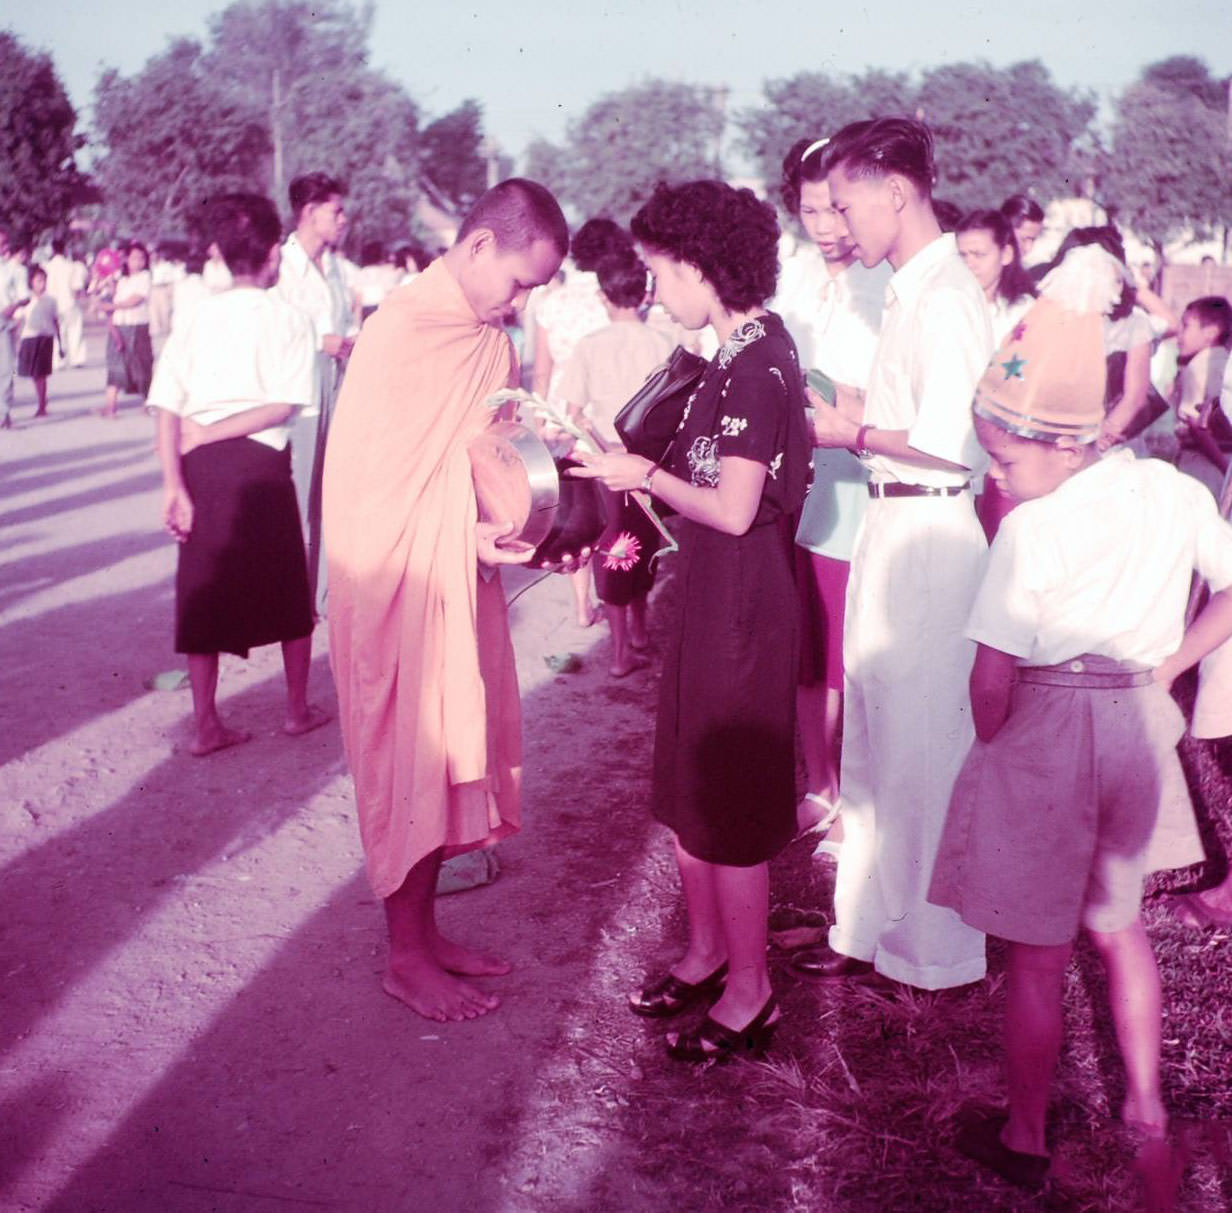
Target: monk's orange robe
(419, 639)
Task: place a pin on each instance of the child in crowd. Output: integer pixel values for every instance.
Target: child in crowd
(604, 371)
(1202, 429)
(228, 383)
(40, 338)
(1073, 791)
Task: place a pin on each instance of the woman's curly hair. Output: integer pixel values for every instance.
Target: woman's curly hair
(728, 234)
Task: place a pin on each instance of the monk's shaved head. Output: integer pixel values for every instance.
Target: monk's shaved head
(518, 212)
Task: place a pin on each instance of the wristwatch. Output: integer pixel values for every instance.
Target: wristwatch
(860, 450)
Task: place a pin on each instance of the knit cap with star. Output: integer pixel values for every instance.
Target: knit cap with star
(1047, 380)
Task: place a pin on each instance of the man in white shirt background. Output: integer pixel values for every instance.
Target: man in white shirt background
(13, 293)
(311, 279)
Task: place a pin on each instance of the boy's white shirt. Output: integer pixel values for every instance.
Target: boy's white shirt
(921, 381)
(240, 349)
(1102, 565)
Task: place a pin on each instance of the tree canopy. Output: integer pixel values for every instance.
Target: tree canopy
(39, 180)
(282, 87)
(999, 131)
(614, 154)
(1168, 164)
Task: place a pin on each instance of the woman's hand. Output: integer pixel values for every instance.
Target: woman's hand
(487, 543)
(178, 513)
(617, 470)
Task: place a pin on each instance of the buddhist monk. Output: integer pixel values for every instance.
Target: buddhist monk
(419, 640)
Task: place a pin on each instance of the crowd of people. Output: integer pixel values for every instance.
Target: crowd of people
(918, 546)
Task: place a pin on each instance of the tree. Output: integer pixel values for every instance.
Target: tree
(452, 154)
(283, 88)
(812, 105)
(999, 131)
(39, 179)
(1002, 131)
(1169, 161)
(626, 142)
(173, 135)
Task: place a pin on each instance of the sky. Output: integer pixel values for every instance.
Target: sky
(533, 67)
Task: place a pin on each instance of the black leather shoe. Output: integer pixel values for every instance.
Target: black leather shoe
(669, 995)
(826, 964)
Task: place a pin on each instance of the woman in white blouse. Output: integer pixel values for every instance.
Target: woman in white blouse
(130, 356)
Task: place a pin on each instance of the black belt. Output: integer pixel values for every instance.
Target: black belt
(898, 488)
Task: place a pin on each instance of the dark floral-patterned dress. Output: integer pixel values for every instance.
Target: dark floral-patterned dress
(724, 765)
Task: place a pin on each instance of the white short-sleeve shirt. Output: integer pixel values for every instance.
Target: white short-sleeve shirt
(936, 342)
(240, 349)
(132, 286)
(1102, 565)
(321, 294)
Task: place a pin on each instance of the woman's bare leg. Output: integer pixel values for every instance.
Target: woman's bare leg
(707, 947)
(211, 733)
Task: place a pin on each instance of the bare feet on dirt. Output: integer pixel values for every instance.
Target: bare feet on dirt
(217, 739)
(437, 995)
(313, 718)
(468, 962)
(635, 662)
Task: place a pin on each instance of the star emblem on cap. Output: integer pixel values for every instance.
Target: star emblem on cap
(1013, 368)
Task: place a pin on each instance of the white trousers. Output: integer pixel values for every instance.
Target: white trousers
(8, 369)
(73, 337)
(906, 730)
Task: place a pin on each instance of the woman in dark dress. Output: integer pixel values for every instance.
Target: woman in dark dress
(724, 767)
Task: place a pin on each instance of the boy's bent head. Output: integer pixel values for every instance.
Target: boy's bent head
(246, 230)
(513, 239)
(1027, 468)
(518, 213)
(1205, 323)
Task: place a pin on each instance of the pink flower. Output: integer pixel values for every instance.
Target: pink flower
(623, 553)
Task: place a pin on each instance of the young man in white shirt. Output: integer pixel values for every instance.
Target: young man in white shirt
(311, 280)
(907, 720)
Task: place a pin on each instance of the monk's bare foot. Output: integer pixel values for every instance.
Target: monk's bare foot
(313, 718)
(635, 661)
(431, 992)
(217, 739)
(467, 962)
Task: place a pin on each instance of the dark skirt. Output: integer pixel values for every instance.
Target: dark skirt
(34, 357)
(623, 571)
(724, 763)
(242, 578)
(130, 358)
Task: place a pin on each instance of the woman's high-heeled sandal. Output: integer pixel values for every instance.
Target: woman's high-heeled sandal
(714, 1041)
(669, 995)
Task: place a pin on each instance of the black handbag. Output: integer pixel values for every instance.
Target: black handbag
(648, 423)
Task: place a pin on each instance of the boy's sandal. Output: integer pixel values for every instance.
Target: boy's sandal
(670, 995)
(714, 1041)
(980, 1140)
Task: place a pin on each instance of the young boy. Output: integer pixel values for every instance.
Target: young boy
(605, 369)
(419, 637)
(1073, 791)
(1202, 349)
(228, 383)
(40, 337)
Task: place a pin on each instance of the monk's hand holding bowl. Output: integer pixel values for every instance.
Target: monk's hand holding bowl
(618, 470)
(488, 546)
